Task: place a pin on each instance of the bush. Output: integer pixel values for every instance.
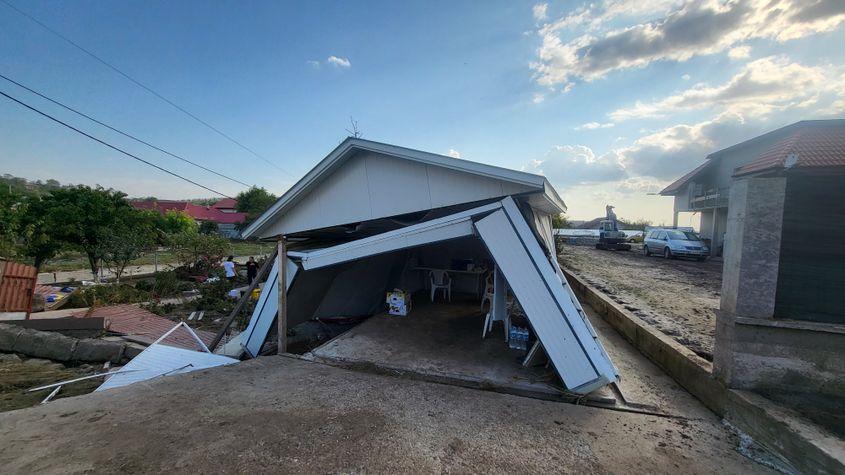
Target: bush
(107, 294)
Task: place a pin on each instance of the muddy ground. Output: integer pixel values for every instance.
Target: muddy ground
(280, 415)
(677, 296)
(19, 374)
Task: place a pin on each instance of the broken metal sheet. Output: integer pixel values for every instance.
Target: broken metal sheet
(162, 360)
(448, 227)
(266, 308)
(569, 342)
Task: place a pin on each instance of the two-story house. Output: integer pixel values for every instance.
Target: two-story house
(705, 189)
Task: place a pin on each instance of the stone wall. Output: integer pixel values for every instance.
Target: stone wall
(754, 350)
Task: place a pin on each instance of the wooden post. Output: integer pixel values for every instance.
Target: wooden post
(282, 317)
(265, 268)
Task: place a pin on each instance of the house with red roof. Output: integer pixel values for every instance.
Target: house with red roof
(222, 213)
(777, 204)
(809, 146)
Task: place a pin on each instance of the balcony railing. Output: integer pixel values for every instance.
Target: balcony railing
(713, 198)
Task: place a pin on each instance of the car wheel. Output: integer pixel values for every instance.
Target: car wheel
(646, 251)
(667, 254)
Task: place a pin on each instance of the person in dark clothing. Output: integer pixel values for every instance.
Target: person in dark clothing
(251, 269)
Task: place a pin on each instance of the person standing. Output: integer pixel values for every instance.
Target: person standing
(229, 267)
(251, 269)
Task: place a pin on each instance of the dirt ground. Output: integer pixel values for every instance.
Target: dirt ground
(677, 296)
(17, 375)
(278, 414)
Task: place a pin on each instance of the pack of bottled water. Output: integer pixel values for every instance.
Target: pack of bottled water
(518, 338)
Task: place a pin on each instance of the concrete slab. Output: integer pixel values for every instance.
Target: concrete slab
(281, 415)
(439, 342)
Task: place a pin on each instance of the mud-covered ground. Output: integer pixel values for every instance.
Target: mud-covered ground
(677, 296)
(279, 415)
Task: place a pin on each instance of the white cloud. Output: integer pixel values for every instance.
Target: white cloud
(453, 153)
(763, 86)
(313, 63)
(538, 98)
(690, 29)
(568, 165)
(594, 125)
(540, 11)
(686, 77)
(740, 52)
(339, 62)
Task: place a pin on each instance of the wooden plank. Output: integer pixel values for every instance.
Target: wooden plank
(265, 268)
(282, 318)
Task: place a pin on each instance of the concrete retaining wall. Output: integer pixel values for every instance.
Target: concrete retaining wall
(691, 371)
(58, 347)
(774, 427)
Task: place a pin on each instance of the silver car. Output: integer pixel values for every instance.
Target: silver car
(674, 243)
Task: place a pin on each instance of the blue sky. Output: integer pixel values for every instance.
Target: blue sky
(611, 100)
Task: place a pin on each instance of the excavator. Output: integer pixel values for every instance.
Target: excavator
(610, 237)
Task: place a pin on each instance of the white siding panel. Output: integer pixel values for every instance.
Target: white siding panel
(451, 186)
(559, 341)
(396, 186)
(562, 293)
(266, 308)
(441, 229)
(162, 360)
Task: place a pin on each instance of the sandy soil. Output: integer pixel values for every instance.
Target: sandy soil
(678, 297)
(281, 415)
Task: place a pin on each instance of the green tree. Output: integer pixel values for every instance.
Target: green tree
(35, 232)
(638, 224)
(10, 211)
(80, 216)
(560, 221)
(208, 227)
(199, 252)
(125, 241)
(253, 202)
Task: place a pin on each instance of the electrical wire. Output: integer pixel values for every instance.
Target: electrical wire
(125, 134)
(112, 146)
(143, 86)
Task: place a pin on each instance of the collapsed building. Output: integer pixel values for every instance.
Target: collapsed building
(370, 218)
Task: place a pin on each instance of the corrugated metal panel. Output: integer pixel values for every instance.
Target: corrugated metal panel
(575, 352)
(448, 227)
(17, 282)
(143, 326)
(163, 360)
(266, 308)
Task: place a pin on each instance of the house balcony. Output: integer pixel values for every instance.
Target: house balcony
(710, 199)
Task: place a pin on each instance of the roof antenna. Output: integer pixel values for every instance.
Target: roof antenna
(355, 132)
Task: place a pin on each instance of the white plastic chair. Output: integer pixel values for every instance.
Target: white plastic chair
(440, 279)
(488, 291)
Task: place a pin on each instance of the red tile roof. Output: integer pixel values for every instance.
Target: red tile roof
(817, 144)
(199, 213)
(226, 203)
(145, 327)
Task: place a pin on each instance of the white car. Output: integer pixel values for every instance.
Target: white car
(674, 243)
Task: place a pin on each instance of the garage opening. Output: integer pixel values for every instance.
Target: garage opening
(450, 282)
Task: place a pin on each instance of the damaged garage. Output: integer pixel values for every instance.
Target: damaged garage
(461, 253)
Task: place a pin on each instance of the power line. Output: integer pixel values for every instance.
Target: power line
(125, 134)
(112, 146)
(141, 85)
